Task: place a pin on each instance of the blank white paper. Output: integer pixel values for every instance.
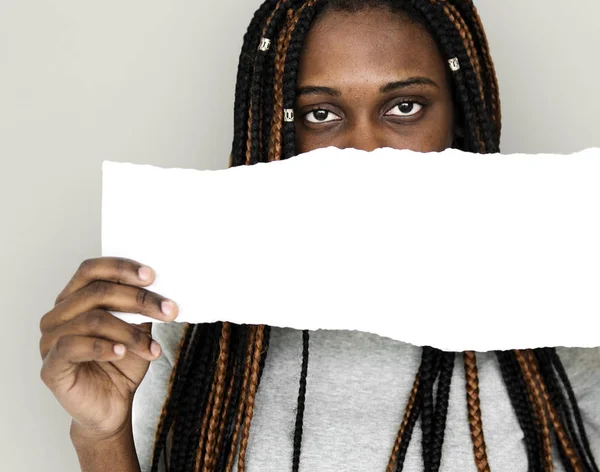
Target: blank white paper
(453, 250)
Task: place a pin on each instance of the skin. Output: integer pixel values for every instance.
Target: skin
(347, 65)
(346, 68)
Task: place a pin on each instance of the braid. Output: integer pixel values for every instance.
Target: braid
(539, 412)
(409, 407)
(303, 19)
(567, 451)
(242, 404)
(555, 361)
(475, 421)
(470, 13)
(252, 387)
(186, 423)
(172, 399)
(441, 408)
(521, 403)
(472, 77)
(192, 424)
(254, 113)
(241, 336)
(219, 393)
(250, 44)
(430, 358)
(301, 399)
(224, 411)
(202, 446)
(413, 414)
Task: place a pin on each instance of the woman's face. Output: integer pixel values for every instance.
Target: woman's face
(372, 79)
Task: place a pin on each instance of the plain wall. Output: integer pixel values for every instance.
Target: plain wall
(152, 82)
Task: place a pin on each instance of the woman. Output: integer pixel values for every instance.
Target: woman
(412, 74)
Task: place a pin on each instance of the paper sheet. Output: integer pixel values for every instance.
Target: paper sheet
(454, 250)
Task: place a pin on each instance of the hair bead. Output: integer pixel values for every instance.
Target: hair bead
(265, 44)
(454, 64)
(288, 115)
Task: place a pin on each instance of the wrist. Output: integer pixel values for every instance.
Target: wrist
(82, 436)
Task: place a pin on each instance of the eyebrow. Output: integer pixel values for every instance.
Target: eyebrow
(399, 84)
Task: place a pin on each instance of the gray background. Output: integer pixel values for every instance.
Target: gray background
(152, 82)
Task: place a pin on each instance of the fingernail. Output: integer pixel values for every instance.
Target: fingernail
(119, 349)
(154, 348)
(168, 307)
(144, 273)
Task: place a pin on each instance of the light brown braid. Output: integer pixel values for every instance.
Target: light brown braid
(540, 414)
(242, 403)
(221, 372)
(409, 407)
(475, 421)
(277, 121)
(221, 429)
(282, 46)
(252, 387)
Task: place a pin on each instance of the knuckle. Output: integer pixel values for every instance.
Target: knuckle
(138, 336)
(44, 375)
(98, 346)
(121, 267)
(43, 323)
(62, 346)
(142, 297)
(100, 288)
(95, 319)
(86, 266)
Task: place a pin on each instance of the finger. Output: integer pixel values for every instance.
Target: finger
(113, 269)
(101, 324)
(73, 349)
(112, 297)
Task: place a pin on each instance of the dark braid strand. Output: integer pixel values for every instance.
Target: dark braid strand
(517, 391)
(441, 408)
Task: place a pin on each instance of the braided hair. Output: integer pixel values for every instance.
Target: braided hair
(207, 414)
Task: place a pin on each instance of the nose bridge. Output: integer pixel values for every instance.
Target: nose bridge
(364, 135)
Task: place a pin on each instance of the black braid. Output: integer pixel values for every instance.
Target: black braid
(181, 372)
(278, 19)
(521, 403)
(559, 403)
(441, 408)
(430, 364)
(562, 374)
(263, 354)
(188, 428)
(290, 76)
(451, 46)
(244, 75)
(301, 400)
(467, 9)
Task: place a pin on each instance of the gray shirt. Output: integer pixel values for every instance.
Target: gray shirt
(358, 385)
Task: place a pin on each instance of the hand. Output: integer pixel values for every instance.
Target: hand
(93, 362)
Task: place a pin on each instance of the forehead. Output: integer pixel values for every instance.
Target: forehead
(373, 45)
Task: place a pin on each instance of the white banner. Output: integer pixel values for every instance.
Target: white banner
(453, 250)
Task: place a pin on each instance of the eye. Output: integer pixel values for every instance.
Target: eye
(405, 109)
(321, 116)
